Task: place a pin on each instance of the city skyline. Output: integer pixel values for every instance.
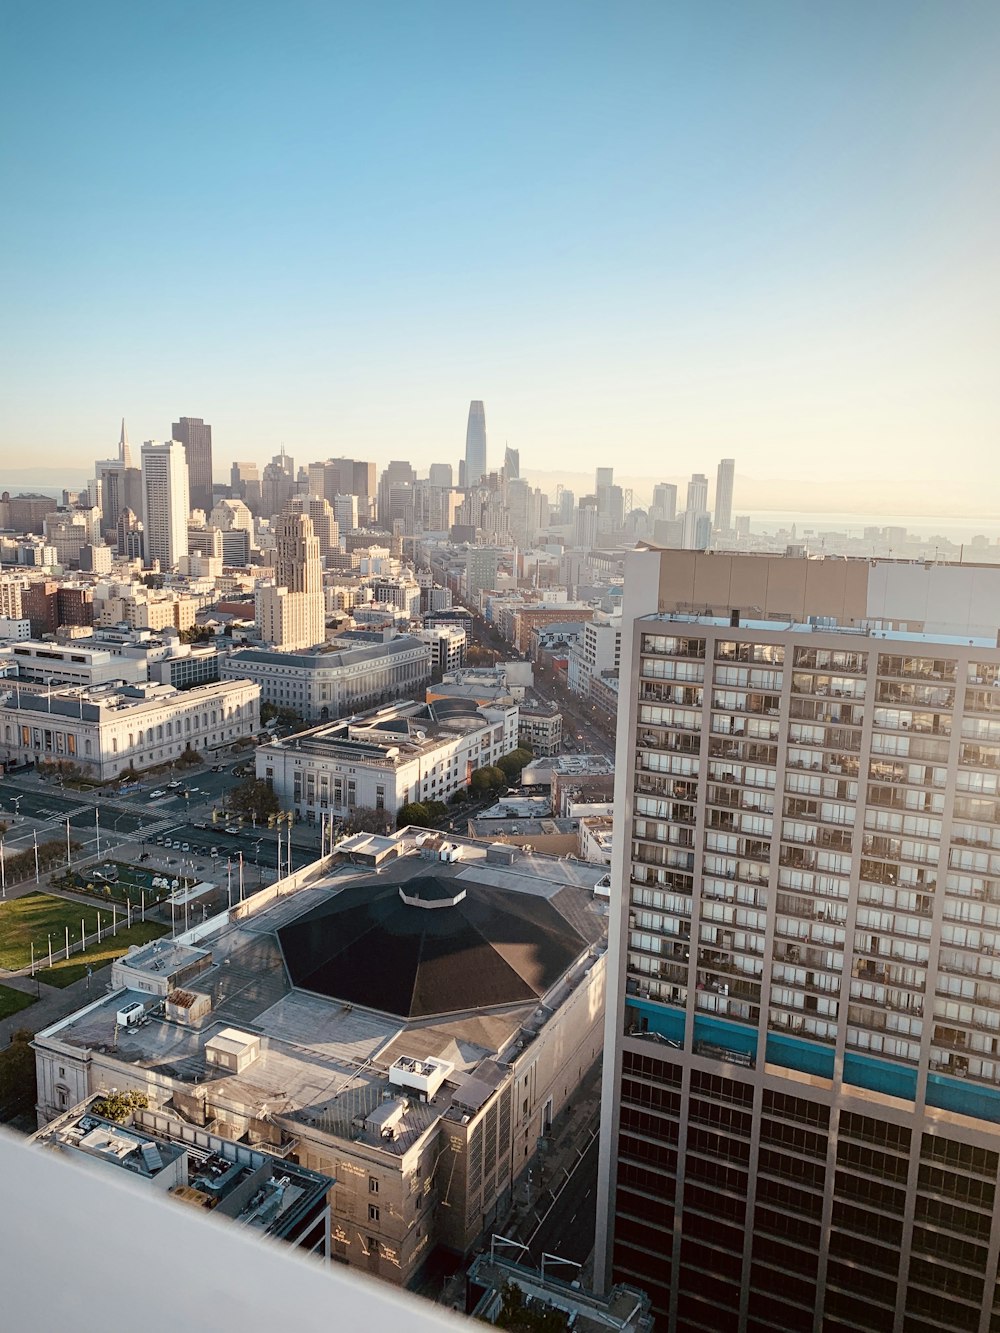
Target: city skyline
(767, 237)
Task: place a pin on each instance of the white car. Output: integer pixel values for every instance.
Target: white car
(184, 847)
(156, 795)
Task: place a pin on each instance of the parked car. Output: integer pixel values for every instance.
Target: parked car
(185, 847)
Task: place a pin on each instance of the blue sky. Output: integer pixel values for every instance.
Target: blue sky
(644, 234)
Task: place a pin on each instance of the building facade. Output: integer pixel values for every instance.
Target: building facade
(165, 502)
(388, 758)
(196, 437)
(108, 729)
(801, 1122)
(328, 684)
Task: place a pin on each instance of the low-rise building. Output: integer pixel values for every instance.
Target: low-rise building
(555, 837)
(74, 664)
(107, 729)
(447, 644)
(14, 629)
(325, 1032)
(596, 839)
(270, 1195)
(332, 682)
(387, 758)
(540, 726)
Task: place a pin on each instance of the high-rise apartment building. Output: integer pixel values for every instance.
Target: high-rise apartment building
(165, 502)
(291, 611)
(196, 437)
(724, 495)
(801, 1125)
(475, 444)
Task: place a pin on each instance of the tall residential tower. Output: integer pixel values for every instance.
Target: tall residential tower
(801, 1122)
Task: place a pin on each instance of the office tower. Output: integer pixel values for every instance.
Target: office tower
(481, 567)
(165, 503)
(697, 530)
(196, 438)
(398, 473)
(441, 474)
(802, 1072)
(511, 464)
(664, 506)
(585, 535)
(323, 519)
(118, 483)
(697, 494)
(345, 511)
(124, 448)
(130, 544)
(475, 444)
(244, 483)
(277, 484)
(566, 503)
(724, 495)
(290, 612)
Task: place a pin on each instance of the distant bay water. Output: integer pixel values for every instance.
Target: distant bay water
(956, 529)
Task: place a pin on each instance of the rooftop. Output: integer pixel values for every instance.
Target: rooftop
(825, 625)
(532, 927)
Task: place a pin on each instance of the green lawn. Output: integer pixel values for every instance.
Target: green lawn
(13, 1001)
(36, 917)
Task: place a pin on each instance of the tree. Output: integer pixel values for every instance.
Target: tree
(118, 1106)
(414, 812)
(486, 779)
(363, 819)
(436, 810)
(512, 764)
(254, 799)
(518, 1315)
(18, 1092)
(458, 797)
(287, 717)
(196, 634)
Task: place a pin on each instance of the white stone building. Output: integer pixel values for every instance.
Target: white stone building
(382, 761)
(107, 729)
(329, 683)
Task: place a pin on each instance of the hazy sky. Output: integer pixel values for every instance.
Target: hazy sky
(645, 234)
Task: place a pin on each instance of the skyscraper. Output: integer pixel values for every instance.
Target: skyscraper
(475, 444)
(277, 484)
(124, 451)
(290, 612)
(724, 495)
(165, 504)
(196, 438)
(697, 520)
(511, 464)
(441, 474)
(664, 506)
(119, 483)
(802, 1071)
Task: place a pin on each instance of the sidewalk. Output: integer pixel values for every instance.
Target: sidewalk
(571, 1133)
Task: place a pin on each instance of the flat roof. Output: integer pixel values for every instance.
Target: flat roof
(323, 1061)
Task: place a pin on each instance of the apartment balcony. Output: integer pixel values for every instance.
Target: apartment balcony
(885, 998)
